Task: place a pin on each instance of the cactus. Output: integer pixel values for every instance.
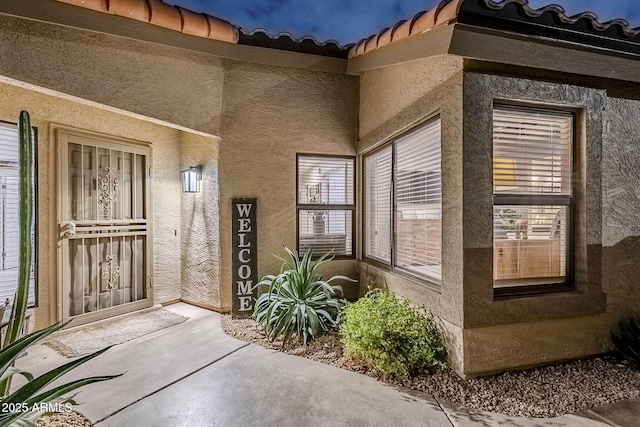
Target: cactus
(25, 186)
(30, 394)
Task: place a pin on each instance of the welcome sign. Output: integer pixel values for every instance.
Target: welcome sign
(245, 255)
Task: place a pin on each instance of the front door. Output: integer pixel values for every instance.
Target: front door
(104, 232)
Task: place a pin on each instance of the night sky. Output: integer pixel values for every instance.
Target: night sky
(348, 21)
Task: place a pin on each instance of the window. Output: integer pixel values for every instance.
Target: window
(9, 242)
(403, 203)
(325, 204)
(532, 193)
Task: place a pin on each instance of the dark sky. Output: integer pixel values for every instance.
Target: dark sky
(348, 21)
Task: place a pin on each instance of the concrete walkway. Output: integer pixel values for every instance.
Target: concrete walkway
(194, 375)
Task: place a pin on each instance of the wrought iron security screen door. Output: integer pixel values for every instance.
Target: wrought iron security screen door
(104, 233)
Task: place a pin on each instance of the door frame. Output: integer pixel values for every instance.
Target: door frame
(61, 135)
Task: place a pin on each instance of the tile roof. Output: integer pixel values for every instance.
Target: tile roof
(286, 41)
(445, 12)
(487, 13)
(506, 15)
(557, 11)
(158, 13)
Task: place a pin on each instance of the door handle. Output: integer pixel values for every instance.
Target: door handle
(67, 229)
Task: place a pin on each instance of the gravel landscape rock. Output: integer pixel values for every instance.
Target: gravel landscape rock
(64, 419)
(547, 391)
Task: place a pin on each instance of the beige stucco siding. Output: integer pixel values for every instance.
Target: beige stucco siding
(392, 100)
(270, 115)
(621, 207)
(200, 251)
(46, 110)
(168, 84)
(518, 332)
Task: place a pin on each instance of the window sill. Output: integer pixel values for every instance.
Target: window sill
(515, 291)
(535, 307)
(418, 280)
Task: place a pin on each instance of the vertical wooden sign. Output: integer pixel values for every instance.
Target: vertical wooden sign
(245, 256)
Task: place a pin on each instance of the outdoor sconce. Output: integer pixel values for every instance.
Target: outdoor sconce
(192, 179)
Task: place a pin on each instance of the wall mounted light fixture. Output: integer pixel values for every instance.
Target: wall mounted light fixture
(192, 179)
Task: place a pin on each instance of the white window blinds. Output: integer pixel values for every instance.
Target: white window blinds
(532, 152)
(9, 242)
(325, 204)
(403, 202)
(377, 188)
(532, 166)
(419, 201)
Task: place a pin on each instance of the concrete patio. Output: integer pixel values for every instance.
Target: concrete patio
(193, 374)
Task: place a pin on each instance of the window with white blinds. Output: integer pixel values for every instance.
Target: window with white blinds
(326, 204)
(532, 170)
(377, 205)
(402, 181)
(9, 242)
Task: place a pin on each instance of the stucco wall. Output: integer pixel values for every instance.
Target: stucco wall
(200, 226)
(169, 84)
(392, 100)
(270, 114)
(507, 333)
(621, 207)
(46, 110)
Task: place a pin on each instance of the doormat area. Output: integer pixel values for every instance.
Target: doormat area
(111, 332)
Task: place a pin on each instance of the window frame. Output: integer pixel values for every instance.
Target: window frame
(569, 201)
(392, 265)
(338, 207)
(36, 212)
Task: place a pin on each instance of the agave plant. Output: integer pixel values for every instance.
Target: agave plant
(297, 301)
(628, 342)
(29, 402)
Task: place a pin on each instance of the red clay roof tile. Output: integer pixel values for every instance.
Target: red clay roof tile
(385, 37)
(553, 16)
(445, 12)
(99, 5)
(194, 23)
(134, 9)
(158, 13)
(222, 30)
(164, 15)
(425, 22)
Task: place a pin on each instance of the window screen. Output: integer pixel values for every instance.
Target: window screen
(403, 202)
(378, 204)
(9, 243)
(326, 204)
(419, 201)
(532, 165)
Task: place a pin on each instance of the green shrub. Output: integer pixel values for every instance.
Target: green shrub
(397, 340)
(627, 344)
(297, 301)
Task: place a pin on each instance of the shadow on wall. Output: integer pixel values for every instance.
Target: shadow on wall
(621, 278)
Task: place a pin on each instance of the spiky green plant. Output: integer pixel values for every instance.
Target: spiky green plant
(26, 400)
(25, 215)
(627, 343)
(297, 301)
(26, 403)
(25, 206)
